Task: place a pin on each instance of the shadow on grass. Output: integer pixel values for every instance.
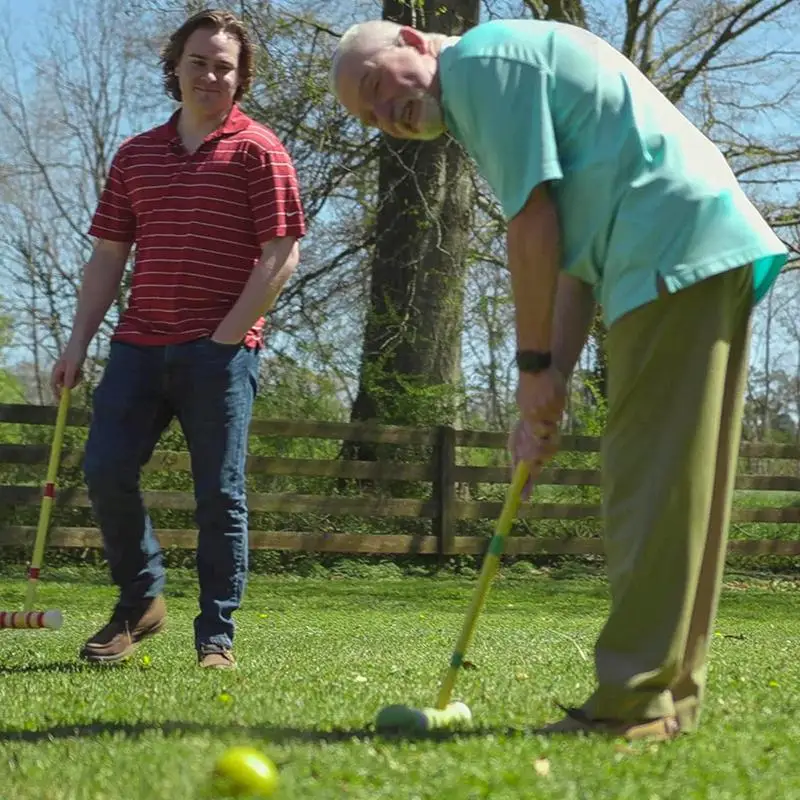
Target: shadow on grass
(273, 734)
(65, 667)
(178, 584)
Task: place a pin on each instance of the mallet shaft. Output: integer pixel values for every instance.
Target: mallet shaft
(48, 495)
(488, 571)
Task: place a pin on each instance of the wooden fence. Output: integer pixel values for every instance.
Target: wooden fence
(445, 505)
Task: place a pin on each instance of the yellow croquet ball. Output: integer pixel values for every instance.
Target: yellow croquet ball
(244, 772)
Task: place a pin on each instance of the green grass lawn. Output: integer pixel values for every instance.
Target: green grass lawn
(318, 658)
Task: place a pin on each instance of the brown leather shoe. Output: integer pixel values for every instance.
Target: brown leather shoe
(576, 721)
(127, 627)
(216, 659)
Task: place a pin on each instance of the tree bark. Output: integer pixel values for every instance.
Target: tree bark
(412, 337)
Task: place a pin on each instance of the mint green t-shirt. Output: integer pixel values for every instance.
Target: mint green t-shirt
(640, 191)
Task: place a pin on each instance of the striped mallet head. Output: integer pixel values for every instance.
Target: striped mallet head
(30, 620)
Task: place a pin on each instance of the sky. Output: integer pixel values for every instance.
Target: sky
(25, 14)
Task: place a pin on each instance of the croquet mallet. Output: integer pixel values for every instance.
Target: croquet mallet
(29, 619)
(446, 714)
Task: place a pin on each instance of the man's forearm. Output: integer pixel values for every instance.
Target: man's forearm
(102, 276)
(534, 259)
(574, 310)
(270, 274)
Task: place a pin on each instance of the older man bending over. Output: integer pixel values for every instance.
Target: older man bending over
(611, 196)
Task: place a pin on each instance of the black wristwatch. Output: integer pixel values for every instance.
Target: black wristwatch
(533, 360)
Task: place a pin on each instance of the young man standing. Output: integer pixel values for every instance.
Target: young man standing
(211, 203)
(610, 195)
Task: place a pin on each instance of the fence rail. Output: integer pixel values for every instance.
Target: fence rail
(439, 451)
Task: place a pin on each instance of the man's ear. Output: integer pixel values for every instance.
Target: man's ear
(411, 37)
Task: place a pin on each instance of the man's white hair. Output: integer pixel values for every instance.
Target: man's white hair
(364, 40)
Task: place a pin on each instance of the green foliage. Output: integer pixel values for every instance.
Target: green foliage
(11, 389)
(288, 390)
(590, 415)
(405, 399)
(6, 328)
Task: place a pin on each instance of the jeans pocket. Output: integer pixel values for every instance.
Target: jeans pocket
(224, 345)
(222, 352)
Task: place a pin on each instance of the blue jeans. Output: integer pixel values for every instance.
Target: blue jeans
(210, 389)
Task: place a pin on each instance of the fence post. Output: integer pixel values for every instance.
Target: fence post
(445, 489)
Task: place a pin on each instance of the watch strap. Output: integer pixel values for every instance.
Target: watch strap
(533, 360)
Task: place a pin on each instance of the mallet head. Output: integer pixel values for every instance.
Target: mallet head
(31, 620)
(399, 718)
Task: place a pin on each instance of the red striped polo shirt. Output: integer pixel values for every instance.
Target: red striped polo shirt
(198, 221)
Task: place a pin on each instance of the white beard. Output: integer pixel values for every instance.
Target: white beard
(430, 121)
(431, 118)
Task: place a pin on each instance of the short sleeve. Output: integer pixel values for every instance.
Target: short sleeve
(499, 109)
(114, 218)
(273, 192)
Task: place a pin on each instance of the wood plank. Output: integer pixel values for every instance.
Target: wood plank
(32, 454)
(277, 503)
(768, 483)
(69, 537)
(309, 429)
(769, 450)
(26, 414)
(594, 477)
(23, 413)
(35, 455)
(780, 515)
(389, 544)
(32, 496)
(356, 470)
(497, 440)
(549, 477)
(76, 537)
(530, 545)
(370, 506)
(489, 509)
(38, 454)
(350, 431)
(25, 453)
(357, 506)
(764, 547)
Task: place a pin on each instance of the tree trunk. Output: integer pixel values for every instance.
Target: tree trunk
(412, 338)
(797, 397)
(766, 420)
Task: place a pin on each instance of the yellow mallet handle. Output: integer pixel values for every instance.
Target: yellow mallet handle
(48, 495)
(488, 571)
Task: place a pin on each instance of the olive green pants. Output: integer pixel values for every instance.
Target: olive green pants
(676, 383)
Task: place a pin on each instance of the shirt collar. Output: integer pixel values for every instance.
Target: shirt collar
(235, 122)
